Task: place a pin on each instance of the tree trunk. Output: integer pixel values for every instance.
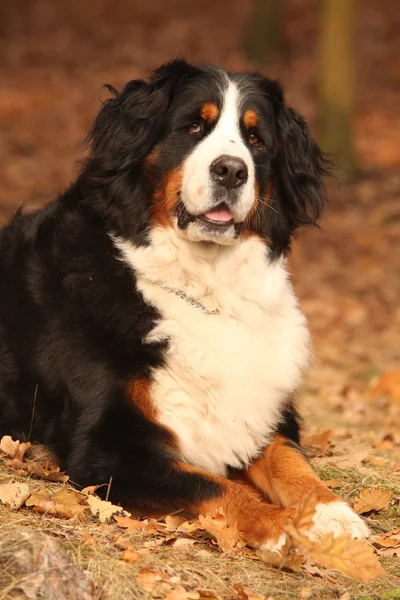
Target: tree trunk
(336, 86)
(266, 34)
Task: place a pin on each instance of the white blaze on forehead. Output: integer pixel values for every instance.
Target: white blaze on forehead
(226, 138)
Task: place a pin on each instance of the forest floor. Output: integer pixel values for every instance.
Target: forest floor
(53, 63)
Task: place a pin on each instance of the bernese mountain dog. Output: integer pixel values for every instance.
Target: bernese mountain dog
(149, 332)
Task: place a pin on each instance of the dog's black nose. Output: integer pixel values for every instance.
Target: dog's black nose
(229, 171)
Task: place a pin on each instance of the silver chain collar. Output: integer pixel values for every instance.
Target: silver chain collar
(188, 300)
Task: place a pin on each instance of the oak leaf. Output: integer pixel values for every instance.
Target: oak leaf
(104, 510)
(290, 561)
(55, 475)
(348, 556)
(13, 449)
(63, 503)
(226, 534)
(318, 443)
(14, 495)
(375, 499)
(131, 525)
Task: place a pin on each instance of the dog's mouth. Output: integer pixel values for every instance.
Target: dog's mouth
(219, 218)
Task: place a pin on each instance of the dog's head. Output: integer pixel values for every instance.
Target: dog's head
(215, 155)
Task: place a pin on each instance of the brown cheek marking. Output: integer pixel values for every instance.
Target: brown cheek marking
(209, 112)
(166, 198)
(152, 158)
(250, 119)
(200, 190)
(285, 476)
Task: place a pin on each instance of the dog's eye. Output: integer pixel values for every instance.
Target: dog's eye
(254, 139)
(194, 128)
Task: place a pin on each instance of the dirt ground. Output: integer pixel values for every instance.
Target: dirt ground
(54, 59)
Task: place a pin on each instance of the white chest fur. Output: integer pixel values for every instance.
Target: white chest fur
(226, 375)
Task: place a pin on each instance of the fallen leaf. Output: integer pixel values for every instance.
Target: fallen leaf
(375, 499)
(396, 466)
(8, 446)
(14, 495)
(104, 510)
(243, 595)
(351, 557)
(387, 385)
(226, 534)
(391, 539)
(61, 504)
(174, 521)
(332, 483)
(318, 444)
(148, 579)
(130, 556)
(345, 596)
(55, 475)
(290, 561)
(131, 525)
(123, 543)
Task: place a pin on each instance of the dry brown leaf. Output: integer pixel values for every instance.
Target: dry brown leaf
(13, 449)
(391, 539)
(173, 522)
(148, 579)
(318, 443)
(14, 495)
(131, 525)
(55, 475)
(290, 561)
(226, 534)
(61, 504)
(130, 556)
(243, 595)
(354, 558)
(396, 466)
(375, 499)
(104, 510)
(8, 446)
(387, 385)
(332, 483)
(123, 543)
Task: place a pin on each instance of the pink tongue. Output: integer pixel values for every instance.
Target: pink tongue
(219, 215)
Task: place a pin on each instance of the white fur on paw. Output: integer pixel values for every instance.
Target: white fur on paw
(339, 518)
(274, 545)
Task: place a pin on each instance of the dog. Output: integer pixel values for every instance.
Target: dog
(149, 331)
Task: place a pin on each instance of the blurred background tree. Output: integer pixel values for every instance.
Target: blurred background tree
(335, 121)
(265, 37)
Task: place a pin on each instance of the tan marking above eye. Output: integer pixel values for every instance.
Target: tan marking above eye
(209, 112)
(250, 118)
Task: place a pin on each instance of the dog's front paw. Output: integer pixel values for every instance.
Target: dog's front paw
(337, 517)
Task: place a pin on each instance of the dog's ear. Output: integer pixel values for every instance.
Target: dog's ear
(129, 124)
(298, 168)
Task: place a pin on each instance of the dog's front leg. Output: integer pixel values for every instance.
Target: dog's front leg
(284, 474)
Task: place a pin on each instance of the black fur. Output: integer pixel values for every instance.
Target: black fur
(72, 326)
